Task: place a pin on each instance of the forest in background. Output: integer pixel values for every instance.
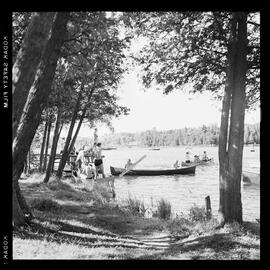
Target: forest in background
(204, 135)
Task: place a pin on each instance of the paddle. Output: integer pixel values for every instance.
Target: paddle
(132, 166)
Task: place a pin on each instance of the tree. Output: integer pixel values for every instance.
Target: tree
(36, 100)
(231, 139)
(211, 51)
(94, 53)
(28, 58)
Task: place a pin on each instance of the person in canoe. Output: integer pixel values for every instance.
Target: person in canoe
(187, 157)
(196, 159)
(98, 160)
(176, 165)
(204, 156)
(128, 164)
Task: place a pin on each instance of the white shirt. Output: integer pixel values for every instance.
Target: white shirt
(80, 155)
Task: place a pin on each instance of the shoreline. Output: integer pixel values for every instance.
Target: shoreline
(77, 224)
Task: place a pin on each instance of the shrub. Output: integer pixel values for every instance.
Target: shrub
(197, 213)
(179, 226)
(102, 193)
(164, 209)
(135, 206)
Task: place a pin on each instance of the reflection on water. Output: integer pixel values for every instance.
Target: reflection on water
(182, 191)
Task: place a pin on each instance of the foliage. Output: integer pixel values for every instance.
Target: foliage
(20, 21)
(135, 206)
(204, 135)
(164, 209)
(191, 48)
(197, 213)
(102, 194)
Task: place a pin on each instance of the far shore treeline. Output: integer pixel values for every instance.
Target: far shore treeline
(204, 135)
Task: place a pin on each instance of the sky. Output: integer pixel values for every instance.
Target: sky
(152, 109)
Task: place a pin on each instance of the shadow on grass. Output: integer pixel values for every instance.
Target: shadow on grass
(217, 246)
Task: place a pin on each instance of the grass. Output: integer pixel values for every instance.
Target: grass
(164, 209)
(76, 221)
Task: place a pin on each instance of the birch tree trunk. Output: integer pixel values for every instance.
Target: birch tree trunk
(54, 147)
(47, 144)
(64, 156)
(41, 157)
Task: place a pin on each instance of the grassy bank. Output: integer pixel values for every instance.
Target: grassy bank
(75, 221)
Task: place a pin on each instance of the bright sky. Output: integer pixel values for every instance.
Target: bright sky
(151, 108)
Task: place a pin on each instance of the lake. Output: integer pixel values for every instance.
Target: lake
(182, 191)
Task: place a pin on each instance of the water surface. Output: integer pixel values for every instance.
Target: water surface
(182, 191)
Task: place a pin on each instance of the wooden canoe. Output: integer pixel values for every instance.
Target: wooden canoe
(210, 161)
(186, 170)
(250, 178)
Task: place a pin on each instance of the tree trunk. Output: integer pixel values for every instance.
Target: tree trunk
(54, 147)
(18, 215)
(64, 156)
(27, 60)
(77, 131)
(231, 152)
(47, 144)
(41, 157)
(36, 100)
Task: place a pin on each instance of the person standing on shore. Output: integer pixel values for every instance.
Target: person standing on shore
(98, 160)
(95, 136)
(80, 159)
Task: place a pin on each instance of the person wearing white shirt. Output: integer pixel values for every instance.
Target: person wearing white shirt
(80, 158)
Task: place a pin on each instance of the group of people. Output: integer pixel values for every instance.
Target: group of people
(195, 160)
(84, 166)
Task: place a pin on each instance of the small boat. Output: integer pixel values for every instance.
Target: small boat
(201, 162)
(109, 148)
(185, 170)
(250, 178)
(154, 149)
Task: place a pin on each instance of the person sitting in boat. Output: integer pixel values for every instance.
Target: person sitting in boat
(176, 165)
(128, 164)
(204, 156)
(187, 157)
(196, 158)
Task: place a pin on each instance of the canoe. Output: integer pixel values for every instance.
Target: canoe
(250, 178)
(183, 164)
(186, 170)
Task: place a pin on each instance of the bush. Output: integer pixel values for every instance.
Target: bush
(135, 206)
(102, 193)
(42, 204)
(179, 226)
(164, 209)
(197, 213)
